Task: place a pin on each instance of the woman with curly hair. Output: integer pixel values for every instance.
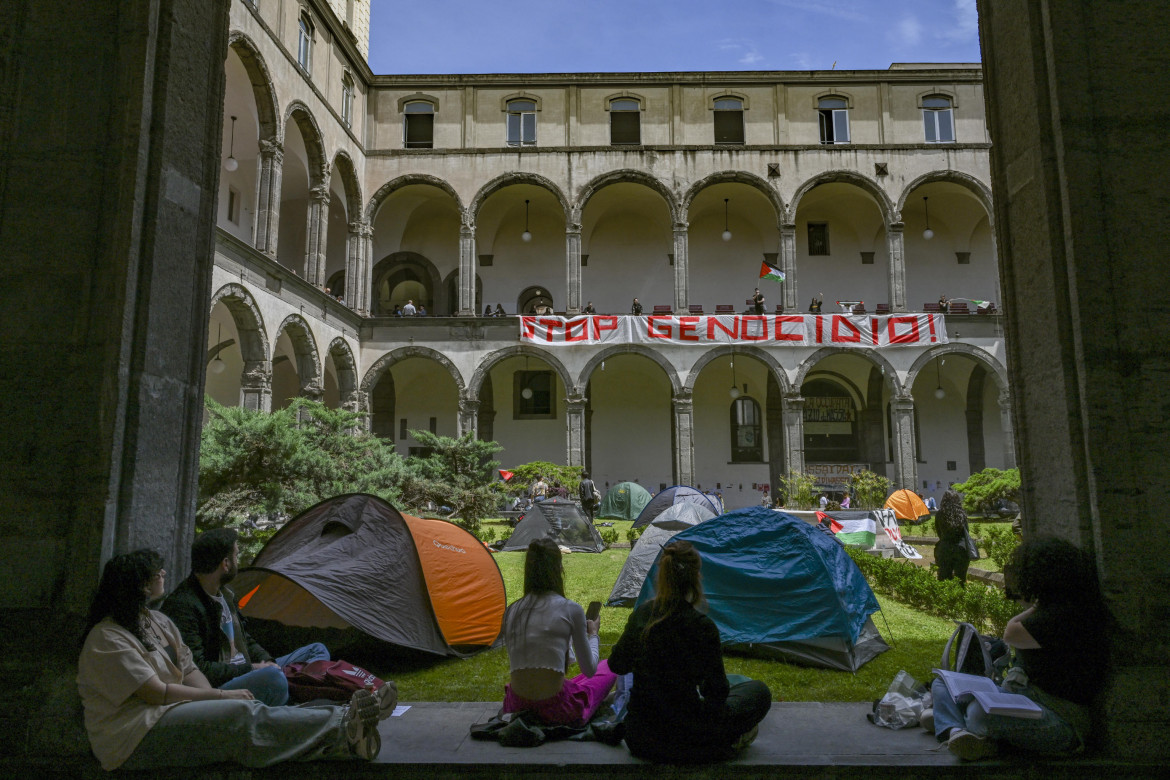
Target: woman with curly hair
(148, 706)
(683, 708)
(951, 551)
(1061, 658)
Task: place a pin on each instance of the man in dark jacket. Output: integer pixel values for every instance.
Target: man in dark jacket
(585, 491)
(204, 609)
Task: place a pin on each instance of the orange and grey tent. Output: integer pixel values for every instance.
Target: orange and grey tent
(355, 561)
(907, 506)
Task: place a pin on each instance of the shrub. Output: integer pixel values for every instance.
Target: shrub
(609, 536)
(983, 606)
(981, 490)
(999, 543)
(634, 534)
(525, 474)
(800, 489)
(869, 489)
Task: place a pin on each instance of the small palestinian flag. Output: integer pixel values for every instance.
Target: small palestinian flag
(860, 532)
(768, 271)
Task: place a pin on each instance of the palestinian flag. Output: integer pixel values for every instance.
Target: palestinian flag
(768, 271)
(858, 530)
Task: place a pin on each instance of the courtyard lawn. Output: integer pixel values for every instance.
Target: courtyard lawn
(917, 642)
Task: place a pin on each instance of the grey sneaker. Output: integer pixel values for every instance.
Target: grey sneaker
(360, 723)
(927, 719)
(970, 747)
(387, 698)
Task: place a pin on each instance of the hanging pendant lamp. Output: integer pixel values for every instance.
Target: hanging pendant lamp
(726, 233)
(217, 365)
(526, 236)
(928, 233)
(231, 163)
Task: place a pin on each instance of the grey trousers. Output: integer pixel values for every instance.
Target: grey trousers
(245, 732)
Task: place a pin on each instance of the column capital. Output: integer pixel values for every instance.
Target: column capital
(361, 229)
(903, 402)
(312, 390)
(466, 230)
(257, 376)
(573, 228)
(576, 402)
(896, 226)
(788, 227)
(469, 405)
(272, 148)
(681, 226)
(320, 193)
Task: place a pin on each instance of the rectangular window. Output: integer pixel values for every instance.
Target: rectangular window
(818, 238)
(532, 396)
(347, 102)
(434, 425)
(402, 428)
(834, 126)
(939, 125)
(305, 45)
(420, 131)
(233, 206)
(729, 127)
(625, 127)
(522, 128)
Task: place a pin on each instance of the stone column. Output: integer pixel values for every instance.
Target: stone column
(575, 422)
(788, 266)
(794, 433)
(895, 240)
(1009, 430)
(268, 196)
(573, 266)
(310, 391)
(467, 268)
(315, 231)
(681, 279)
(684, 436)
(905, 462)
(357, 269)
(469, 416)
(357, 402)
(256, 387)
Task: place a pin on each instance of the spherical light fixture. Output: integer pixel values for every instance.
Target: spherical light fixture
(526, 393)
(231, 163)
(928, 233)
(733, 392)
(526, 236)
(939, 393)
(726, 233)
(217, 365)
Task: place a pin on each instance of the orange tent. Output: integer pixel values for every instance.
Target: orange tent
(907, 506)
(355, 562)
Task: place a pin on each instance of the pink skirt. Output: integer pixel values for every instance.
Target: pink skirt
(573, 706)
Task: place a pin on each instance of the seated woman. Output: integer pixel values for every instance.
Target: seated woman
(538, 629)
(147, 705)
(1061, 657)
(682, 708)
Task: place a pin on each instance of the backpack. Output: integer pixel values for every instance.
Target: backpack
(333, 680)
(975, 653)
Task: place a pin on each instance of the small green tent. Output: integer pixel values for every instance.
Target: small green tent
(624, 501)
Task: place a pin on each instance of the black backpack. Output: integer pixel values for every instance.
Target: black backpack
(975, 653)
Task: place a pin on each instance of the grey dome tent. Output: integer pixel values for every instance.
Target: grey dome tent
(674, 495)
(355, 563)
(780, 588)
(623, 501)
(676, 518)
(559, 520)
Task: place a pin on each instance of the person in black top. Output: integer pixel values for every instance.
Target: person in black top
(636, 308)
(951, 551)
(1061, 657)
(815, 306)
(585, 493)
(682, 708)
(758, 301)
(589, 308)
(500, 311)
(487, 310)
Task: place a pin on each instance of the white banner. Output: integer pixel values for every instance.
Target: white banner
(890, 525)
(859, 331)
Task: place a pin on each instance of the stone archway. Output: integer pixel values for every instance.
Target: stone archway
(413, 276)
(256, 376)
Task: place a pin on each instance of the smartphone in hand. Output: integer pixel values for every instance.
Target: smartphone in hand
(594, 610)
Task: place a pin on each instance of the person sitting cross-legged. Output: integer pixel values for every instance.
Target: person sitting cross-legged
(204, 609)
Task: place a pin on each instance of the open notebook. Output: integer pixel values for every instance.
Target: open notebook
(967, 687)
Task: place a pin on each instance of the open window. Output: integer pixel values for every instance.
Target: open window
(728, 120)
(625, 121)
(419, 125)
(834, 120)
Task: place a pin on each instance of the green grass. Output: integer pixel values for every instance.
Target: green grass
(917, 644)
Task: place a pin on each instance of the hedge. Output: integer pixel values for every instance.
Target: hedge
(981, 605)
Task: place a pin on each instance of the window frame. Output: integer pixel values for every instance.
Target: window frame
(809, 232)
(832, 119)
(933, 114)
(717, 111)
(348, 93)
(752, 453)
(306, 32)
(406, 123)
(636, 112)
(527, 409)
(521, 114)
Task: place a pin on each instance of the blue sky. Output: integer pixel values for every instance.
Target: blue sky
(539, 36)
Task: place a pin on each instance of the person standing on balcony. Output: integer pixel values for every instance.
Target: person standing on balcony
(589, 308)
(500, 311)
(636, 308)
(758, 301)
(408, 310)
(815, 306)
